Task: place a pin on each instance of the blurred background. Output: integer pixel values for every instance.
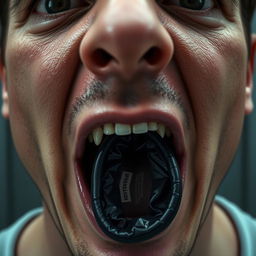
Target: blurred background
(18, 194)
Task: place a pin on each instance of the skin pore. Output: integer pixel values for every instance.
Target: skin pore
(52, 60)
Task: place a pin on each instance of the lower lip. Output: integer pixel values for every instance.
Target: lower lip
(86, 199)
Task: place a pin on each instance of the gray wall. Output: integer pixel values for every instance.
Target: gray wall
(18, 194)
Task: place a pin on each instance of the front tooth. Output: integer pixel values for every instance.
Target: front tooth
(161, 130)
(108, 129)
(140, 128)
(122, 129)
(97, 135)
(152, 126)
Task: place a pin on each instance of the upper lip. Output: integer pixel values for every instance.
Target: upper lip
(130, 117)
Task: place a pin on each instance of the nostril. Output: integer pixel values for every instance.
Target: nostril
(101, 58)
(152, 56)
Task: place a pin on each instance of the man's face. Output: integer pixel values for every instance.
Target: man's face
(178, 63)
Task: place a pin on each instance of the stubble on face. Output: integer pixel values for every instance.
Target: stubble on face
(98, 91)
(82, 249)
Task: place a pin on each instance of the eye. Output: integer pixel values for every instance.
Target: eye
(56, 6)
(189, 4)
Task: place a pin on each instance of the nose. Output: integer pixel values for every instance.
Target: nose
(125, 38)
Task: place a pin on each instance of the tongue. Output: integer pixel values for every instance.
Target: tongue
(136, 187)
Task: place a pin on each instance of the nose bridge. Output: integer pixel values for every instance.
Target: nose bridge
(124, 12)
(127, 21)
(125, 36)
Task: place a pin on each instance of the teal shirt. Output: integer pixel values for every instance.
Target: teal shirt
(9, 236)
(245, 225)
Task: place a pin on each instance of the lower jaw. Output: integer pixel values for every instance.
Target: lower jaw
(157, 247)
(156, 243)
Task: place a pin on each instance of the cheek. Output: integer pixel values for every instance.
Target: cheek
(214, 71)
(38, 77)
(233, 101)
(21, 111)
(223, 94)
(233, 74)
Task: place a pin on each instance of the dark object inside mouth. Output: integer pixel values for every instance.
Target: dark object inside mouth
(135, 185)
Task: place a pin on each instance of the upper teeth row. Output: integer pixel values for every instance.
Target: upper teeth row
(126, 129)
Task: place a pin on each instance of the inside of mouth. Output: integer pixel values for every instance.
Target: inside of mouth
(134, 181)
(135, 185)
(132, 173)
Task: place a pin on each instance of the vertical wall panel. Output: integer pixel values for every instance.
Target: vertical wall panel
(250, 165)
(3, 173)
(251, 153)
(17, 192)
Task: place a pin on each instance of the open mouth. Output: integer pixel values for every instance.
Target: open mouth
(132, 175)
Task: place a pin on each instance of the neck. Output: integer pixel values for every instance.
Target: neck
(41, 238)
(217, 236)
